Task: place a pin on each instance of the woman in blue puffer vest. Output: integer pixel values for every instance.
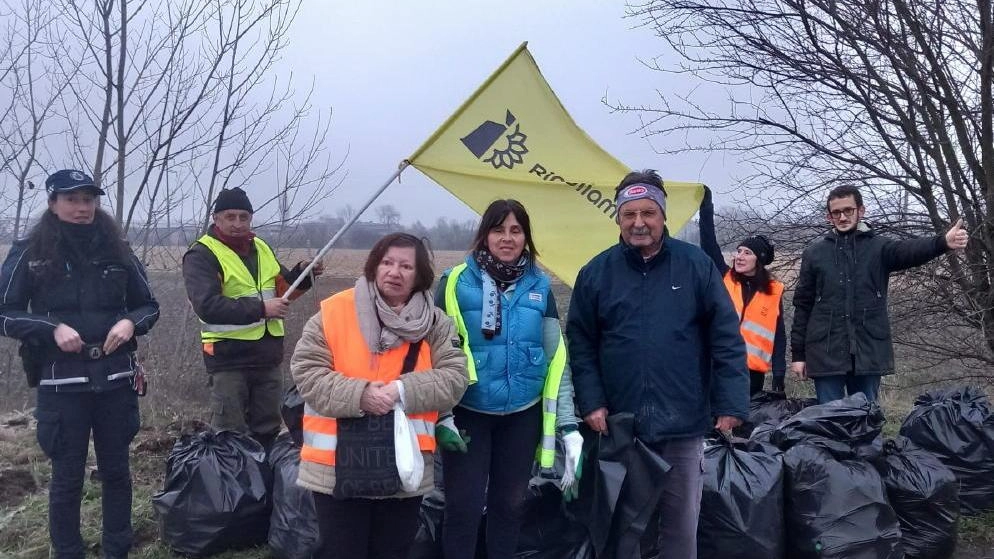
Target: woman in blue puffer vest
(520, 395)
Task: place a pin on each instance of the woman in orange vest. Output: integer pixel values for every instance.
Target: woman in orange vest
(380, 343)
(758, 298)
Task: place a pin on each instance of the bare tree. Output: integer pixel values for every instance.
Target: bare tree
(304, 174)
(893, 96)
(388, 214)
(178, 99)
(35, 85)
(346, 212)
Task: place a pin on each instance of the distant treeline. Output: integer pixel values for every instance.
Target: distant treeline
(445, 234)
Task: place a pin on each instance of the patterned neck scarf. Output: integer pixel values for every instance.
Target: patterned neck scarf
(497, 277)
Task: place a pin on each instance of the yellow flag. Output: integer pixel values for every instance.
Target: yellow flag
(513, 139)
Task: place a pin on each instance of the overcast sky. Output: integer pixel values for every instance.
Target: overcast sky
(394, 71)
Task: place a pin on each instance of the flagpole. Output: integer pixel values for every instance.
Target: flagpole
(303, 274)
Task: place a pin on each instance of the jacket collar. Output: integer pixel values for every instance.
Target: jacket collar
(863, 229)
(633, 255)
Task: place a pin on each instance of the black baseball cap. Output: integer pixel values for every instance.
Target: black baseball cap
(69, 180)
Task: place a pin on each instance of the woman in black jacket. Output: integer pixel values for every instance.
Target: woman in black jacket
(75, 296)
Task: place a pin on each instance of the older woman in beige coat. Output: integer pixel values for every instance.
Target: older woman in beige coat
(371, 347)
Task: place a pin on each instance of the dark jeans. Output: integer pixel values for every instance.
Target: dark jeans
(756, 381)
(248, 401)
(498, 465)
(680, 504)
(65, 420)
(366, 528)
(835, 387)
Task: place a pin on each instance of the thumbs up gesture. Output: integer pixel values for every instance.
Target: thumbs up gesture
(956, 237)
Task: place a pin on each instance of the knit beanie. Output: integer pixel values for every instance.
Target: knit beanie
(761, 247)
(232, 199)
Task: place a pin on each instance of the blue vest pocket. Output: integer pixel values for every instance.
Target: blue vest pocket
(480, 358)
(536, 356)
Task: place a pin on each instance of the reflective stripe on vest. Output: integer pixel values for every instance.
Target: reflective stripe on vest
(550, 400)
(758, 322)
(452, 309)
(320, 438)
(546, 452)
(237, 283)
(353, 359)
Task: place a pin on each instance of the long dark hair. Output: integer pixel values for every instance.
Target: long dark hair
(46, 236)
(495, 214)
(763, 280)
(424, 274)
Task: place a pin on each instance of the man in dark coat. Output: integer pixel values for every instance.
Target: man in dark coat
(841, 334)
(653, 332)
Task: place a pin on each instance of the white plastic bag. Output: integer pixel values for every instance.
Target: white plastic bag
(410, 463)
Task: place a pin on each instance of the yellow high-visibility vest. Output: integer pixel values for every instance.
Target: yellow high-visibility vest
(237, 283)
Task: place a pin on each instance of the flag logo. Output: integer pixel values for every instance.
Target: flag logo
(486, 138)
(512, 138)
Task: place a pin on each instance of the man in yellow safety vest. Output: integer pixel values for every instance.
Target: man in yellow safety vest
(235, 284)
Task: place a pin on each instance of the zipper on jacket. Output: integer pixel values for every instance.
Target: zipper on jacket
(647, 402)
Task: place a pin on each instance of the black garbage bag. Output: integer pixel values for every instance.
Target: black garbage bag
(546, 532)
(428, 541)
(742, 503)
(925, 495)
(764, 431)
(215, 495)
(836, 509)
(293, 526)
(770, 406)
(619, 489)
(292, 411)
(847, 428)
(957, 426)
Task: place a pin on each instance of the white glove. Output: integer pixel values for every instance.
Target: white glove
(573, 445)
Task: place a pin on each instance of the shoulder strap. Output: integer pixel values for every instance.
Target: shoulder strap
(411, 358)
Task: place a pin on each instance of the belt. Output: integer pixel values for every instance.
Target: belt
(92, 352)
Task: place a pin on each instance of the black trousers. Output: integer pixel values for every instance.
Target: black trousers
(366, 528)
(497, 466)
(65, 422)
(756, 381)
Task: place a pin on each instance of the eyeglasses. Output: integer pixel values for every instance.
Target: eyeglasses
(632, 215)
(848, 212)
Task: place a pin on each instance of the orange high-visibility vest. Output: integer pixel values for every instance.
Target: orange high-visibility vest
(353, 359)
(758, 323)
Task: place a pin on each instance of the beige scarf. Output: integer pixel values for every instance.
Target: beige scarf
(384, 328)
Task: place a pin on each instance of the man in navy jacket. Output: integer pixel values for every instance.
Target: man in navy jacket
(653, 332)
